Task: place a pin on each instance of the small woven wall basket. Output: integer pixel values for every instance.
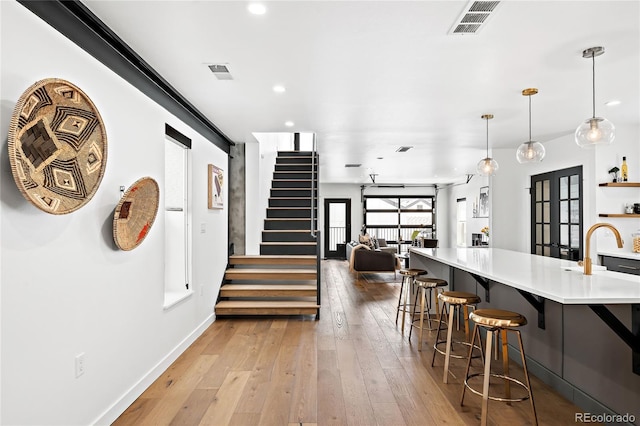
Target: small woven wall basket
(136, 213)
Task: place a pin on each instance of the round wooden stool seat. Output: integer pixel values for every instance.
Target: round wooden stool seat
(497, 322)
(430, 282)
(412, 272)
(497, 318)
(459, 298)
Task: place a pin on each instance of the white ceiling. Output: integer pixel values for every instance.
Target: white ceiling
(370, 76)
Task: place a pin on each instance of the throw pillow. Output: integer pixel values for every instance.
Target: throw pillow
(365, 239)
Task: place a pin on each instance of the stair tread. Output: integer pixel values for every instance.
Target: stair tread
(289, 243)
(267, 304)
(291, 208)
(270, 271)
(272, 259)
(286, 230)
(288, 218)
(250, 287)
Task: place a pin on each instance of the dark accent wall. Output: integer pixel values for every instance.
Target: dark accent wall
(237, 194)
(75, 21)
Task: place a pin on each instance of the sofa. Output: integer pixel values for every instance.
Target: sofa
(363, 259)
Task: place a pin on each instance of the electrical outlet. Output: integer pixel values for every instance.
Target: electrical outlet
(203, 228)
(80, 364)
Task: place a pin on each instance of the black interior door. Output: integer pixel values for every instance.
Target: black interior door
(556, 214)
(337, 227)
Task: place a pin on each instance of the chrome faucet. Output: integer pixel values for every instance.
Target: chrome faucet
(587, 259)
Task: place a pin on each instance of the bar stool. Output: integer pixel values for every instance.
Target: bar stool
(455, 299)
(495, 320)
(408, 275)
(425, 284)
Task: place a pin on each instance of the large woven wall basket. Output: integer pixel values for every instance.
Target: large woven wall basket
(57, 146)
(136, 213)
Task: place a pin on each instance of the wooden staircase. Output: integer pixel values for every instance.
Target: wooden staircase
(284, 278)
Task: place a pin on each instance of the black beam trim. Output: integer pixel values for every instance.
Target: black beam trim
(538, 303)
(484, 283)
(630, 337)
(179, 137)
(76, 22)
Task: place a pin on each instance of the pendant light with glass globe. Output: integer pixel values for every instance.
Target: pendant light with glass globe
(595, 130)
(532, 151)
(487, 166)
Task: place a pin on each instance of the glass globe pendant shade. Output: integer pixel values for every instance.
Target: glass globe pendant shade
(487, 167)
(595, 131)
(530, 152)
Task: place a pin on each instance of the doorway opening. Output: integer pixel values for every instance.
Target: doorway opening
(337, 227)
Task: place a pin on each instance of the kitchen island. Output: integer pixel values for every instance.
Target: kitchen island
(584, 331)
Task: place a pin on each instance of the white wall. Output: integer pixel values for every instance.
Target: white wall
(447, 220)
(65, 289)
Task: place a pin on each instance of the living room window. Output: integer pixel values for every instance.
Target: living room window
(398, 218)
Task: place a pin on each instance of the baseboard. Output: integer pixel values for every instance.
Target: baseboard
(113, 412)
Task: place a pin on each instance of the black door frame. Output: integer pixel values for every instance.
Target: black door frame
(554, 199)
(337, 254)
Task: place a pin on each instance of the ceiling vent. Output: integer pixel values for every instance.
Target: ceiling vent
(474, 17)
(352, 165)
(221, 71)
(404, 149)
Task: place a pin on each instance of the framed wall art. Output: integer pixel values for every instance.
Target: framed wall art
(483, 203)
(216, 180)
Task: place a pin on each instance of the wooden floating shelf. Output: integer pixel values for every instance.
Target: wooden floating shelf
(627, 184)
(618, 215)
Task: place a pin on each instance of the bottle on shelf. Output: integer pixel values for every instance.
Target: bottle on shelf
(625, 170)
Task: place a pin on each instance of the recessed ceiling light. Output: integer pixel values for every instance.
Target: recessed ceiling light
(288, 123)
(380, 158)
(257, 8)
(279, 89)
(613, 103)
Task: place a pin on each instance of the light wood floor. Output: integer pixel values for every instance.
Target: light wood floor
(352, 367)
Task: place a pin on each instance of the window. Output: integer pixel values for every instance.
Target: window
(461, 220)
(396, 219)
(177, 218)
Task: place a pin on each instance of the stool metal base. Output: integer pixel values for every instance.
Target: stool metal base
(497, 398)
(505, 377)
(449, 342)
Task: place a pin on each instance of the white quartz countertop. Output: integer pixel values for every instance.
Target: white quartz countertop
(542, 276)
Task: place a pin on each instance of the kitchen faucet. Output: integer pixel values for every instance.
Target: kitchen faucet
(587, 259)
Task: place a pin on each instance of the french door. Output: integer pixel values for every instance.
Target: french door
(337, 227)
(556, 214)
